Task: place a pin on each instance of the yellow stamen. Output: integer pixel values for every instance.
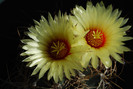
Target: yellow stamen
(95, 38)
(97, 35)
(59, 49)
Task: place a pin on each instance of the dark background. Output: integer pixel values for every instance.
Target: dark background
(17, 15)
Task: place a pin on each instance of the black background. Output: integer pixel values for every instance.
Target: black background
(17, 15)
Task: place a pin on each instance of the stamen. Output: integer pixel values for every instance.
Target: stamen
(59, 49)
(95, 38)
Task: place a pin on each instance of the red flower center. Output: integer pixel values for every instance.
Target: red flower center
(59, 49)
(95, 38)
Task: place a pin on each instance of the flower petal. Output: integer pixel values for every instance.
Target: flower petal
(44, 69)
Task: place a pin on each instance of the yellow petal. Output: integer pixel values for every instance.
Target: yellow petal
(94, 61)
(35, 62)
(51, 71)
(39, 66)
(104, 57)
(55, 75)
(117, 57)
(44, 69)
(66, 71)
(85, 60)
(60, 70)
(106, 61)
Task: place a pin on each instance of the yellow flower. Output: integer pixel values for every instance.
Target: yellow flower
(103, 30)
(53, 48)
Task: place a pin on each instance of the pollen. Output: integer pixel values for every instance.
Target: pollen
(95, 38)
(59, 49)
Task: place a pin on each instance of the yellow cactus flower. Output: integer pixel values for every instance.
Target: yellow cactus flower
(103, 31)
(53, 48)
